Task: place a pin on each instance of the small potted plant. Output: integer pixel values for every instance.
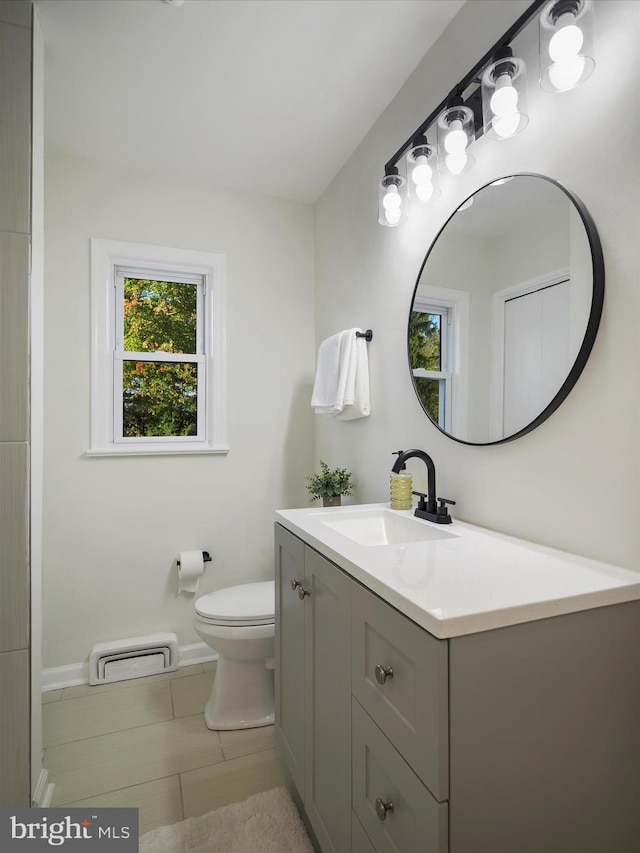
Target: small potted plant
(330, 485)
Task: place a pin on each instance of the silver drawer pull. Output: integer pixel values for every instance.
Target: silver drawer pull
(302, 592)
(295, 583)
(382, 808)
(382, 673)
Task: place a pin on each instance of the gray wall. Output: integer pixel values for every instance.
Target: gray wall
(15, 156)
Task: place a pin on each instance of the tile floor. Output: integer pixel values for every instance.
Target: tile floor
(144, 743)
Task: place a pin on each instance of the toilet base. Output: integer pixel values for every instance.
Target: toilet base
(242, 695)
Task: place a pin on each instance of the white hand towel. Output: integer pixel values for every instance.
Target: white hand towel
(332, 372)
(341, 387)
(357, 400)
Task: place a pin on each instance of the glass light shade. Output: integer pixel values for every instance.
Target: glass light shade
(566, 44)
(504, 98)
(392, 200)
(456, 140)
(422, 174)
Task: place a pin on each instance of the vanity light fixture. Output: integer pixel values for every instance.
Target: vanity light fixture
(490, 99)
(504, 96)
(566, 44)
(422, 172)
(392, 198)
(456, 137)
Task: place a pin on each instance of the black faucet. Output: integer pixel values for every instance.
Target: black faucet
(427, 503)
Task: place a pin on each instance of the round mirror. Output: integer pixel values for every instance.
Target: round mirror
(505, 310)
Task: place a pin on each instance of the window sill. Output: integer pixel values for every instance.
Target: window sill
(158, 450)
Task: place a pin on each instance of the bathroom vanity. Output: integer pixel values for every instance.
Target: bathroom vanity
(455, 690)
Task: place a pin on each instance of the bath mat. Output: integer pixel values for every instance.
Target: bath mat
(265, 823)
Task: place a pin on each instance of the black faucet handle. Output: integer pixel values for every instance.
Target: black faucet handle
(442, 509)
(422, 499)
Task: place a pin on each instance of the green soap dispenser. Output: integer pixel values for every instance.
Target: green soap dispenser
(400, 488)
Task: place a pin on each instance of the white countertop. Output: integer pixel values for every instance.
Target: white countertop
(474, 580)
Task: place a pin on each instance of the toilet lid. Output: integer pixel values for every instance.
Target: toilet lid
(246, 604)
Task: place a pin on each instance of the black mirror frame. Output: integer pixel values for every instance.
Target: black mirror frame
(597, 301)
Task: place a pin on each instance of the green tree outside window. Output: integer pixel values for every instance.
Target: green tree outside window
(159, 398)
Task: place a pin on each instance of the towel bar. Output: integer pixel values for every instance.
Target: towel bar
(368, 335)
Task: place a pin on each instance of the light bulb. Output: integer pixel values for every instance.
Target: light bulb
(455, 141)
(566, 74)
(392, 200)
(567, 40)
(424, 191)
(506, 125)
(422, 171)
(392, 216)
(467, 204)
(505, 98)
(456, 162)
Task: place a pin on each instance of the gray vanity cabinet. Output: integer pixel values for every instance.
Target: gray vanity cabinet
(313, 686)
(521, 738)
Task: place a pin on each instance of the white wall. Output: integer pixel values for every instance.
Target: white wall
(573, 482)
(113, 526)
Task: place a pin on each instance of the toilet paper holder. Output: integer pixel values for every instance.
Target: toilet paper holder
(206, 558)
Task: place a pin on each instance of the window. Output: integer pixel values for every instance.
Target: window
(439, 332)
(430, 354)
(158, 371)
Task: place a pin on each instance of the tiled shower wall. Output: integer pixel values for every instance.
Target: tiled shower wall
(15, 165)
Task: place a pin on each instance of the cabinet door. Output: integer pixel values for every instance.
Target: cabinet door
(327, 794)
(289, 654)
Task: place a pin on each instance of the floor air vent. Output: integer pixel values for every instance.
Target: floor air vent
(133, 658)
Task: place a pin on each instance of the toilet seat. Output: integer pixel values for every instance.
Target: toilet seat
(246, 604)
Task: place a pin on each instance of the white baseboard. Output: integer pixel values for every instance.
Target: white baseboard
(196, 653)
(65, 676)
(59, 677)
(43, 794)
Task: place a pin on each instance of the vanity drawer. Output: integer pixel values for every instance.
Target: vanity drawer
(396, 811)
(410, 702)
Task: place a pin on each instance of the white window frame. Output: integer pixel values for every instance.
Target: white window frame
(111, 261)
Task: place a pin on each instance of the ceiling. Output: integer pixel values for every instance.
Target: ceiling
(265, 96)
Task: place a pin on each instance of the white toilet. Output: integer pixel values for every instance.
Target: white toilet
(239, 623)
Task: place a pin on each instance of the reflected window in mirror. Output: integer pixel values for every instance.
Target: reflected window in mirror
(438, 346)
(430, 356)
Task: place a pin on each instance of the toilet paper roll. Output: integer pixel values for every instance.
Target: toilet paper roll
(190, 569)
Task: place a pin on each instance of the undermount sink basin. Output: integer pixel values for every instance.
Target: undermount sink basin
(381, 527)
